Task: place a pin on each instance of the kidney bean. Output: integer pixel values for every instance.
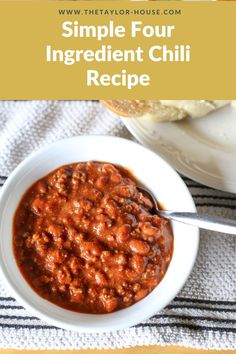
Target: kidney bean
(138, 246)
(116, 178)
(111, 208)
(38, 206)
(119, 259)
(125, 191)
(138, 263)
(148, 229)
(101, 182)
(107, 167)
(122, 233)
(74, 264)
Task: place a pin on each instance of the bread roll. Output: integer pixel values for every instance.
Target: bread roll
(163, 110)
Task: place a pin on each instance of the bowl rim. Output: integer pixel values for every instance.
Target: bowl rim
(81, 327)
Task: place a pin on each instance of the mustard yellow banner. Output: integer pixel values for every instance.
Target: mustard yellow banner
(106, 49)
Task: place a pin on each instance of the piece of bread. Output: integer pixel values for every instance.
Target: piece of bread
(163, 110)
(138, 108)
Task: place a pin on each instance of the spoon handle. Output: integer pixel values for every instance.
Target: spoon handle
(208, 222)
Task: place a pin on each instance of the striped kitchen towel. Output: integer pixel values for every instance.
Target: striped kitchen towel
(203, 314)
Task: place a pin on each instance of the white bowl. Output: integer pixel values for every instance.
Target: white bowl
(153, 172)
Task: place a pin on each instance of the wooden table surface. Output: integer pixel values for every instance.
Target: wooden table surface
(135, 350)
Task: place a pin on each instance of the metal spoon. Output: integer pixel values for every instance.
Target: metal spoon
(208, 222)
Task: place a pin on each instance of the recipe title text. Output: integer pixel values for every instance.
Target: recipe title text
(104, 53)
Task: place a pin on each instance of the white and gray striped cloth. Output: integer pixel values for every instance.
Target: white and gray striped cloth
(201, 316)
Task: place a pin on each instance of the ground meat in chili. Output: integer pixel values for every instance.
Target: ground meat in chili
(85, 239)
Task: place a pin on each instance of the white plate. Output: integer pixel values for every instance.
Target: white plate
(202, 149)
(152, 171)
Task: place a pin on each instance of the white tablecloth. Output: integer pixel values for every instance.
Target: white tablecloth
(201, 316)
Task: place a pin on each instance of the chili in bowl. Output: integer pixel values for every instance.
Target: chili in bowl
(84, 238)
(80, 246)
